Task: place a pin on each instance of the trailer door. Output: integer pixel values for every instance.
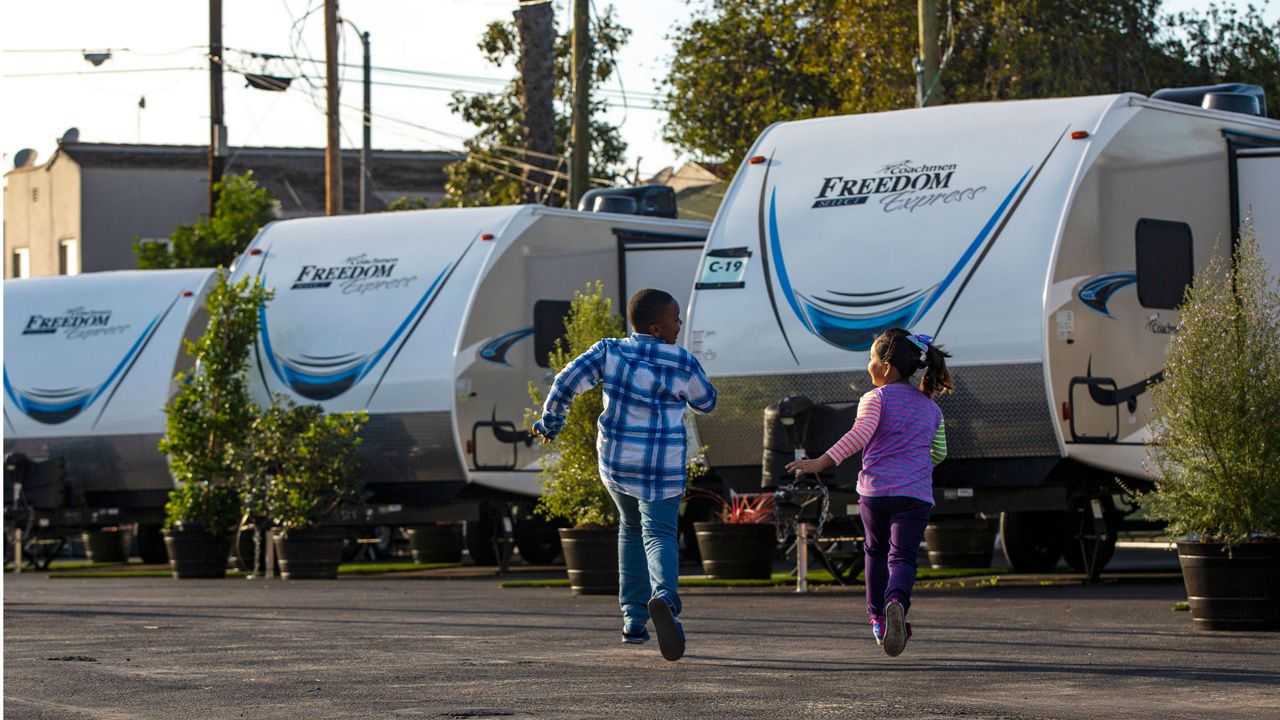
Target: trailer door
(1258, 194)
(654, 260)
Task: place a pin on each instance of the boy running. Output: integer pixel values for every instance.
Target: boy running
(648, 382)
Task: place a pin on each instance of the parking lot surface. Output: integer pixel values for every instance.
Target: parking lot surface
(399, 647)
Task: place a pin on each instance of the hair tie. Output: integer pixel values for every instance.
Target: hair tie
(923, 342)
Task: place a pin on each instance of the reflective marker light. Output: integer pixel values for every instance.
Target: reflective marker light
(757, 159)
(487, 236)
(187, 293)
(256, 251)
(1066, 410)
(1079, 134)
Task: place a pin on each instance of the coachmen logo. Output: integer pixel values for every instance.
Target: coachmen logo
(359, 274)
(78, 322)
(902, 185)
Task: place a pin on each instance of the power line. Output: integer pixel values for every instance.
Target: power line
(99, 72)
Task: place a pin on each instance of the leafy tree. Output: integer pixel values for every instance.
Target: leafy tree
(495, 170)
(209, 419)
(242, 209)
(740, 65)
(404, 202)
(1216, 416)
(571, 487)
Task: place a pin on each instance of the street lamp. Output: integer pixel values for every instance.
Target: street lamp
(367, 120)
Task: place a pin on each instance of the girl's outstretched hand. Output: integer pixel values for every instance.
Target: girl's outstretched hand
(537, 432)
(811, 467)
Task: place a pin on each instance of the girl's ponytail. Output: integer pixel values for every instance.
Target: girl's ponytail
(937, 379)
(908, 353)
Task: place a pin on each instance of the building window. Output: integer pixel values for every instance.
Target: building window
(69, 257)
(21, 263)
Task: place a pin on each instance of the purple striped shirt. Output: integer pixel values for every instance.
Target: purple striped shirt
(896, 461)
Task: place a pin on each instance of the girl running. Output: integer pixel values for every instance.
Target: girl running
(900, 432)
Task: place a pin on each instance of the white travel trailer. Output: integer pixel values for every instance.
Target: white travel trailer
(1045, 243)
(435, 322)
(89, 363)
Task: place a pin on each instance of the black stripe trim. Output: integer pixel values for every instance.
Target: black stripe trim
(764, 258)
(996, 236)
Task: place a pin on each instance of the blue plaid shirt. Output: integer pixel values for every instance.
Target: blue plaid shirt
(647, 384)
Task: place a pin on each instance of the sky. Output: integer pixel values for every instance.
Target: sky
(157, 53)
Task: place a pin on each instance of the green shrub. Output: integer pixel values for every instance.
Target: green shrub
(1216, 419)
(207, 422)
(200, 504)
(302, 464)
(571, 486)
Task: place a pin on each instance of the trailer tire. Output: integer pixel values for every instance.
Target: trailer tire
(482, 532)
(1033, 540)
(537, 539)
(151, 544)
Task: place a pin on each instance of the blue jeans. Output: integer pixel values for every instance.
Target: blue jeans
(648, 556)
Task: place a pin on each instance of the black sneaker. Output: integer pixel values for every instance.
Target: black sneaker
(635, 635)
(670, 632)
(895, 631)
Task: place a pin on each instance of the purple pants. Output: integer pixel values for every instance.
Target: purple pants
(894, 527)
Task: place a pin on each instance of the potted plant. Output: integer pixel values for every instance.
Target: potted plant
(206, 425)
(309, 468)
(960, 541)
(742, 545)
(571, 486)
(439, 542)
(1214, 455)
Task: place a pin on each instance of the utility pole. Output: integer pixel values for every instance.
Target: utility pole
(580, 167)
(927, 63)
(535, 21)
(368, 126)
(217, 132)
(333, 149)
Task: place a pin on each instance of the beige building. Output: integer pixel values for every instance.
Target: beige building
(82, 210)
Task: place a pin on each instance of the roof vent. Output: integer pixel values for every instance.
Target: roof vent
(1232, 102)
(652, 200)
(1232, 97)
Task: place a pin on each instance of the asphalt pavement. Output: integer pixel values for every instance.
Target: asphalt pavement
(418, 647)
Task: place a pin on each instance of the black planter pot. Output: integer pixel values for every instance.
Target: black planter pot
(194, 553)
(1240, 591)
(737, 551)
(106, 546)
(309, 554)
(591, 556)
(960, 543)
(436, 543)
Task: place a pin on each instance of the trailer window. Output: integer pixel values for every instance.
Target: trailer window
(1164, 262)
(548, 326)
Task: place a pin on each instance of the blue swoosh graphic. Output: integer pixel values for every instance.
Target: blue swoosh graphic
(54, 413)
(857, 332)
(1096, 293)
(323, 386)
(495, 351)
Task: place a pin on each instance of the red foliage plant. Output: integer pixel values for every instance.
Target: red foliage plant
(742, 509)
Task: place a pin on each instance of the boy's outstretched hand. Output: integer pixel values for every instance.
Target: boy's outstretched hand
(811, 467)
(539, 433)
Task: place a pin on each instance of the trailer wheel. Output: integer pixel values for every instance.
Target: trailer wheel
(1074, 550)
(151, 544)
(537, 539)
(1033, 540)
(481, 534)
